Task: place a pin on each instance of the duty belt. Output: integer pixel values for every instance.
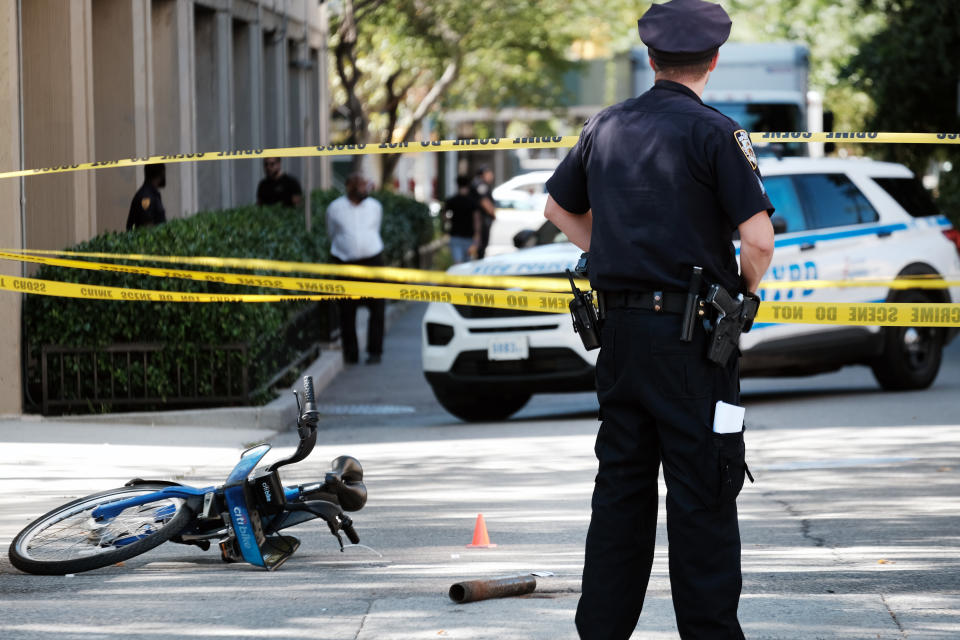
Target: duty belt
(660, 301)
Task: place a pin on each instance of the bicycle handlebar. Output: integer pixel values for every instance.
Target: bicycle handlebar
(347, 528)
(309, 412)
(308, 390)
(306, 426)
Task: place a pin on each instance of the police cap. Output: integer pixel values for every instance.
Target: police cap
(684, 31)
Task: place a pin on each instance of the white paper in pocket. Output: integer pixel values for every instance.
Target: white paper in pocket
(728, 418)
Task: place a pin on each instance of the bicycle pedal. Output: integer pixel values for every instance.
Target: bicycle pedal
(229, 552)
(276, 550)
(203, 544)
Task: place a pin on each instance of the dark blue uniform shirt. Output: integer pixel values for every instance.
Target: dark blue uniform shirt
(146, 208)
(668, 179)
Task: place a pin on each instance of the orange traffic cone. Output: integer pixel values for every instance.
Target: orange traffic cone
(480, 538)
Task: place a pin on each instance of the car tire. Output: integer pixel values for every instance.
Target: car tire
(911, 356)
(470, 406)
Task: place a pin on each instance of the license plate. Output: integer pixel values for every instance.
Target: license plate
(508, 348)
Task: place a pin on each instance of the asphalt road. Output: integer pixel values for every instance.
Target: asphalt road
(850, 532)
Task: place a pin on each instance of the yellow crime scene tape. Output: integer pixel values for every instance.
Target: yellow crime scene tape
(891, 314)
(394, 274)
(526, 292)
(879, 314)
(898, 314)
(517, 300)
(475, 144)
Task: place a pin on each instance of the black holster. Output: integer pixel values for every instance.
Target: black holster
(734, 316)
(584, 316)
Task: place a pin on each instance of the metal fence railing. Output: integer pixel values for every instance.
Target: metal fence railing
(120, 375)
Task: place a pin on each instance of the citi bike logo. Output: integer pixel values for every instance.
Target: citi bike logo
(266, 492)
(240, 518)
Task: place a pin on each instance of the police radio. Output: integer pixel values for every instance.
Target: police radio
(584, 316)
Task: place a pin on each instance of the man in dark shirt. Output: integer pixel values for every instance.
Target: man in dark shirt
(482, 192)
(146, 208)
(463, 222)
(278, 187)
(654, 187)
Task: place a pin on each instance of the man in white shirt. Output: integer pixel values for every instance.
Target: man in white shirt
(353, 226)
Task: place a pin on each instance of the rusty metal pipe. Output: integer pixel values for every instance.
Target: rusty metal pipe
(473, 590)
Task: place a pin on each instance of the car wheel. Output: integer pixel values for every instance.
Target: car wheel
(471, 406)
(911, 355)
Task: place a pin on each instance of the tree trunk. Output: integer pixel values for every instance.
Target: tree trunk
(390, 161)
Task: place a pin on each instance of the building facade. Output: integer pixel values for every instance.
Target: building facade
(84, 80)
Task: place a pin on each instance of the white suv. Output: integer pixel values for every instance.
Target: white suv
(835, 220)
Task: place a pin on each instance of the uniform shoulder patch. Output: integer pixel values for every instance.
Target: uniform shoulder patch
(743, 139)
(145, 203)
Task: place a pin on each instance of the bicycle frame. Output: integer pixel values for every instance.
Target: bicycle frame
(243, 516)
(240, 512)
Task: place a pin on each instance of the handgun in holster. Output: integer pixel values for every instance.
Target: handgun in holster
(584, 315)
(734, 316)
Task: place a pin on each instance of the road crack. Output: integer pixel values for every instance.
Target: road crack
(363, 620)
(805, 525)
(903, 632)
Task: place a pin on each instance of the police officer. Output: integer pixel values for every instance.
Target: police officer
(146, 208)
(655, 186)
(482, 191)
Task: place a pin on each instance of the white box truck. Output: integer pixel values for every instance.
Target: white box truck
(763, 86)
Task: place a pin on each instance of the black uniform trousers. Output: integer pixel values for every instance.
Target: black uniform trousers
(657, 397)
(486, 221)
(348, 317)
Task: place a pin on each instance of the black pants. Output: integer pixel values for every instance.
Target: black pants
(348, 317)
(657, 398)
(486, 223)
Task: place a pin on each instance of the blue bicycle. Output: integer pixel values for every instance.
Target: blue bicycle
(243, 516)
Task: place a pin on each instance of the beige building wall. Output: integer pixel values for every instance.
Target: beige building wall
(110, 79)
(122, 66)
(58, 121)
(173, 100)
(10, 214)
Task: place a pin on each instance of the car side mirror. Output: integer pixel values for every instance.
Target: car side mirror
(524, 239)
(779, 224)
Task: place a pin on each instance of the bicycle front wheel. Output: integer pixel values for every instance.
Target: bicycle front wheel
(69, 540)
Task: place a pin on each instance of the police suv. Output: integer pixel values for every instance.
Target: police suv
(834, 220)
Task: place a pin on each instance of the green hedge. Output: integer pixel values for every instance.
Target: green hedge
(245, 232)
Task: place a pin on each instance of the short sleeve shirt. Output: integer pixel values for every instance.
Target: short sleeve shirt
(480, 191)
(279, 191)
(461, 208)
(146, 208)
(668, 180)
(354, 229)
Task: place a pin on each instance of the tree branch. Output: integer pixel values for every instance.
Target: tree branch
(345, 53)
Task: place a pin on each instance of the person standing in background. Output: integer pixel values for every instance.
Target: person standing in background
(278, 187)
(146, 208)
(353, 226)
(463, 222)
(482, 192)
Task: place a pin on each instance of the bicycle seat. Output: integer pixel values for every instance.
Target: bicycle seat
(351, 492)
